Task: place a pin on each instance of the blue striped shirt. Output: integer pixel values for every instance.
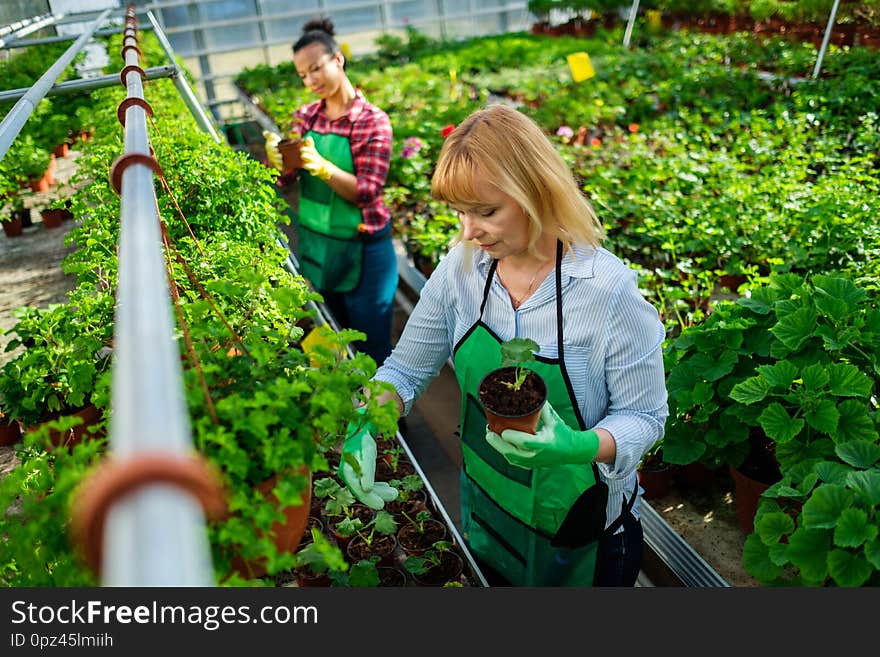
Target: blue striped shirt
(612, 345)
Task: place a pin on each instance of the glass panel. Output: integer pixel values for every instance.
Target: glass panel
(219, 11)
(176, 17)
(285, 6)
(183, 43)
(289, 29)
(356, 19)
(451, 7)
(402, 12)
(232, 36)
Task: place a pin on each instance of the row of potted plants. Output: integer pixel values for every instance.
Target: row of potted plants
(715, 180)
(263, 410)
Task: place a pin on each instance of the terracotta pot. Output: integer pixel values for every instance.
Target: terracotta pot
(12, 227)
(39, 184)
(696, 475)
(747, 493)
(288, 533)
(9, 433)
(61, 150)
(90, 415)
(499, 420)
(655, 482)
(52, 218)
(290, 156)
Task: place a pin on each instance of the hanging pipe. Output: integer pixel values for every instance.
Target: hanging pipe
(155, 534)
(22, 110)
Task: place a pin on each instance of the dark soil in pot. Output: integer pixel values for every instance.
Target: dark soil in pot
(414, 541)
(509, 408)
(382, 546)
(448, 570)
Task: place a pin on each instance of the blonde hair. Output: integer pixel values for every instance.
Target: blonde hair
(508, 149)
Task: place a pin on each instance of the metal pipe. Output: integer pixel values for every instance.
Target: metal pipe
(20, 24)
(88, 84)
(633, 11)
(17, 43)
(37, 24)
(22, 110)
(825, 39)
(156, 535)
(180, 82)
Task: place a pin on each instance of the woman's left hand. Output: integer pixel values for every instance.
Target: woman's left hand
(313, 162)
(555, 443)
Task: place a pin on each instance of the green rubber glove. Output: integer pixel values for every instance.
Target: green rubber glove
(359, 477)
(555, 443)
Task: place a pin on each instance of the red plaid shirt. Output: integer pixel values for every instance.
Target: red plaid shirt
(371, 145)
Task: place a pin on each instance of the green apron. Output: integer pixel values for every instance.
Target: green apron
(536, 527)
(329, 248)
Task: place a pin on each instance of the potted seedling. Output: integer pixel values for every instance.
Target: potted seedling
(411, 496)
(438, 566)
(512, 395)
(420, 533)
(375, 538)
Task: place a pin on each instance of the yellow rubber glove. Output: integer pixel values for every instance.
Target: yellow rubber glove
(272, 152)
(313, 162)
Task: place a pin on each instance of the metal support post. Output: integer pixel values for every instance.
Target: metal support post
(825, 39)
(633, 12)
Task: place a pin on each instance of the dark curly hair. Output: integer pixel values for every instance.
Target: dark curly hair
(317, 30)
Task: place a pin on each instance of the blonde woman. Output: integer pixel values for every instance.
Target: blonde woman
(561, 507)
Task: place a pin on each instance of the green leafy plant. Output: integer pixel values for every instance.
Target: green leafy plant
(432, 558)
(514, 353)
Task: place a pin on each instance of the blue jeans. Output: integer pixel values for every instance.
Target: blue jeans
(370, 306)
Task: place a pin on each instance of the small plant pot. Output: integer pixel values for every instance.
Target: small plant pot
(313, 522)
(512, 409)
(61, 150)
(747, 494)
(390, 577)
(417, 501)
(12, 227)
(655, 481)
(69, 439)
(52, 218)
(414, 542)
(10, 433)
(290, 155)
(361, 511)
(385, 472)
(448, 570)
(382, 546)
(287, 533)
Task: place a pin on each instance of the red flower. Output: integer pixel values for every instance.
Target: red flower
(595, 142)
(447, 131)
(633, 127)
